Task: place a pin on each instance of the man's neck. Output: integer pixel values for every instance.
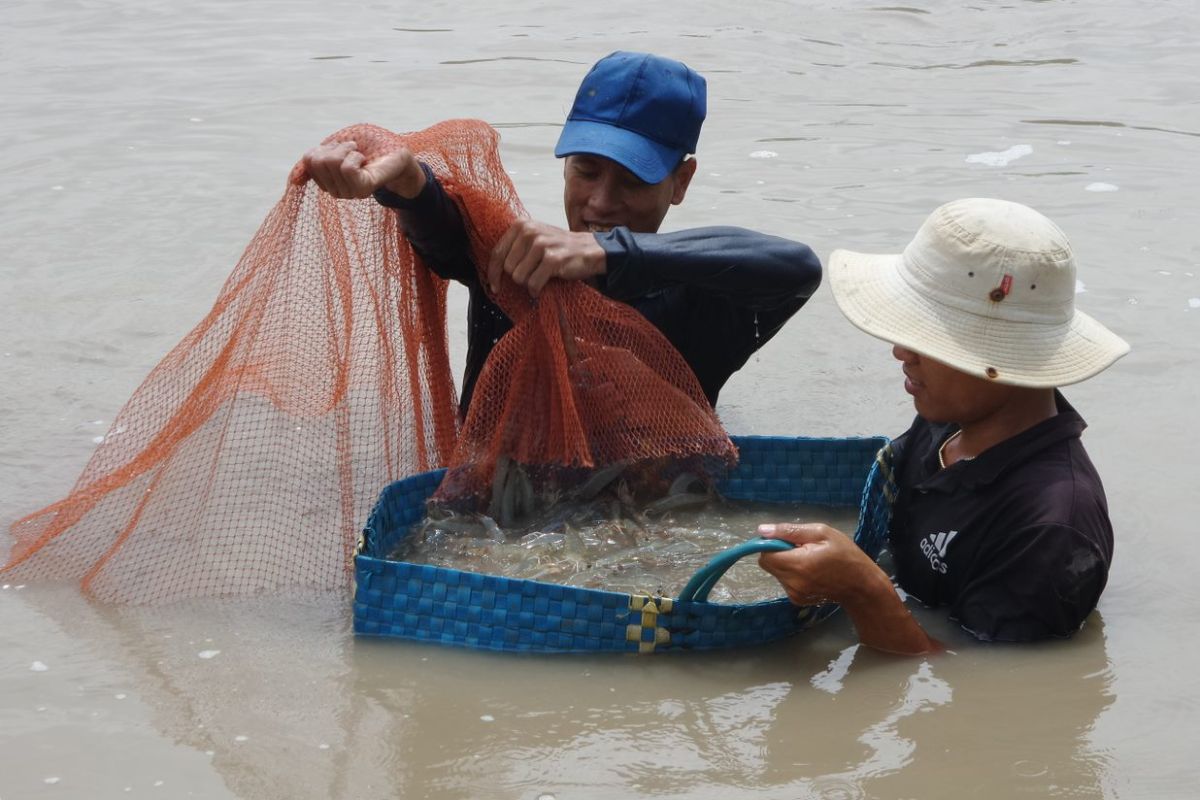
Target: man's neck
(1024, 409)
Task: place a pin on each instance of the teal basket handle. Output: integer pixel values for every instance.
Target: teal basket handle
(706, 577)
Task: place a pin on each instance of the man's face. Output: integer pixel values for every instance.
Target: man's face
(944, 394)
(599, 194)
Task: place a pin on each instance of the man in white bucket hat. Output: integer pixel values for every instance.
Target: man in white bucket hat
(999, 514)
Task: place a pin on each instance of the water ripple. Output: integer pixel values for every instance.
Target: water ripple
(988, 62)
(1099, 123)
(512, 58)
(904, 9)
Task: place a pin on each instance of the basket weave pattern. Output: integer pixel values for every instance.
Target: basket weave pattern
(436, 604)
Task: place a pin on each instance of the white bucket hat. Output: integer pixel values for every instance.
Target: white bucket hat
(987, 287)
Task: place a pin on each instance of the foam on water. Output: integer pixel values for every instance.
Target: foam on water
(1000, 158)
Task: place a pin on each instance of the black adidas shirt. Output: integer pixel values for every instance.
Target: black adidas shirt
(1017, 542)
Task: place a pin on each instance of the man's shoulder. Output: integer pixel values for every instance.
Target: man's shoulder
(1059, 482)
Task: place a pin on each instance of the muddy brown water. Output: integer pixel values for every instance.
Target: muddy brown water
(144, 143)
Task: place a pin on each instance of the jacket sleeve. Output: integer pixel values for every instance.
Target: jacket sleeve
(747, 269)
(434, 227)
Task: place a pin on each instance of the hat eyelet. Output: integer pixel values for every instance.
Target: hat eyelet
(992, 373)
(996, 295)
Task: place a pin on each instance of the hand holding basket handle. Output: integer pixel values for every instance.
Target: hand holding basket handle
(822, 564)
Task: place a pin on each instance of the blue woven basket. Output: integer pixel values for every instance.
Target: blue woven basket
(436, 604)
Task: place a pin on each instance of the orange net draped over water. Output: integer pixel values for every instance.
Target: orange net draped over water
(250, 456)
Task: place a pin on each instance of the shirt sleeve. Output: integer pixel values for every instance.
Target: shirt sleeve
(1038, 582)
(748, 269)
(434, 227)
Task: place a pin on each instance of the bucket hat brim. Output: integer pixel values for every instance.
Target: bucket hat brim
(874, 295)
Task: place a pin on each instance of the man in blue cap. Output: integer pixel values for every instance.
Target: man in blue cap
(717, 293)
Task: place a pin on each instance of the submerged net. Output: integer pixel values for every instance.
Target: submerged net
(251, 455)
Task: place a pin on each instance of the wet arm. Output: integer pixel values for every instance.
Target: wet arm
(883, 621)
(826, 565)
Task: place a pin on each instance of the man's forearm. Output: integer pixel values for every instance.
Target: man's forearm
(884, 622)
(409, 183)
(826, 565)
(434, 226)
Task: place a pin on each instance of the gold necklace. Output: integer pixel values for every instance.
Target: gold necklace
(942, 449)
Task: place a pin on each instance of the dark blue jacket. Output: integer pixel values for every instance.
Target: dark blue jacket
(717, 294)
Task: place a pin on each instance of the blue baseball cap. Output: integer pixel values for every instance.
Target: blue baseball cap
(641, 110)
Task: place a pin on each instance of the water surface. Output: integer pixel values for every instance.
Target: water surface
(144, 144)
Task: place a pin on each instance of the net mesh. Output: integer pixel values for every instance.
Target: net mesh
(252, 453)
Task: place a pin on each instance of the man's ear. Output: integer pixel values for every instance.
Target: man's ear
(683, 178)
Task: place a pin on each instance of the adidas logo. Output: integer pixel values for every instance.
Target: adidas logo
(934, 547)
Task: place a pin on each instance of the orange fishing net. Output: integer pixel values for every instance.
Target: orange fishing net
(251, 455)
